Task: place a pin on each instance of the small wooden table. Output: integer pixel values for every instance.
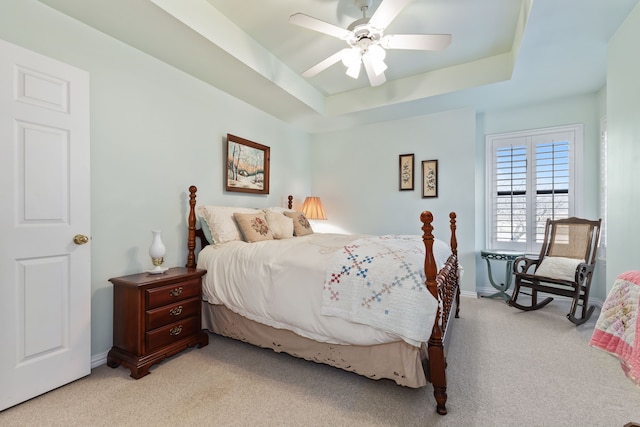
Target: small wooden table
(500, 255)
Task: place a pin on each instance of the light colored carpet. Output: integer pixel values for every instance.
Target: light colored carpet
(506, 368)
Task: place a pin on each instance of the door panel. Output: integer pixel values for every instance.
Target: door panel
(45, 195)
(45, 279)
(42, 307)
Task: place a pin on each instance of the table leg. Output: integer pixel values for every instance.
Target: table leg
(502, 287)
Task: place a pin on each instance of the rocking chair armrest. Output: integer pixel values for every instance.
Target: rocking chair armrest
(584, 272)
(522, 264)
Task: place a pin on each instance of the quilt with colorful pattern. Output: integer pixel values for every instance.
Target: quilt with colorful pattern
(380, 281)
(617, 330)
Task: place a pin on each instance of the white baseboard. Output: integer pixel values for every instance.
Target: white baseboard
(99, 359)
(468, 294)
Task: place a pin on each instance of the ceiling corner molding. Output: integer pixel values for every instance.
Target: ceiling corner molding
(482, 72)
(521, 25)
(207, 21)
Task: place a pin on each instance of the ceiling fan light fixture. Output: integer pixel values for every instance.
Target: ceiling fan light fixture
(377, 52)
(377, 55)
(354, 71)
(351, 57)
(367, 41)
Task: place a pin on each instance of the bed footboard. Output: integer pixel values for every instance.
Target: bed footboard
(444, 286)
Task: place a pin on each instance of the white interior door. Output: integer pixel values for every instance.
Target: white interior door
(45, 278)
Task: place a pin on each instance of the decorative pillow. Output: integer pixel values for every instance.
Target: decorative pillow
(221, 223)
(205, 229)
(253, 226)
(281, 226)
(301, 226)
(556, 267)
(200, 223)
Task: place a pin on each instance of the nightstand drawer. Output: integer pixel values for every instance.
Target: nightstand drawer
(157, 297)
(172, 313)
(166, 335)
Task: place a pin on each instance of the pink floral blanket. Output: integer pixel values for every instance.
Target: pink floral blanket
(617, 330)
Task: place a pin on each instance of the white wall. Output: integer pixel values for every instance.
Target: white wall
(154, 132)
(358, 169)
(623, 157)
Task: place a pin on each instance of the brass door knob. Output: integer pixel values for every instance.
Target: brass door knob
(80, 239)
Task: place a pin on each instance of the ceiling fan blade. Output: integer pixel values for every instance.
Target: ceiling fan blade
(374, 79)
(323, 65)
(387, 12)
(314, 24)
(416, 41)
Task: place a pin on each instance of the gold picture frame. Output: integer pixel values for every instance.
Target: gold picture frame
(246, 166)
(405, 171)
(429, 178)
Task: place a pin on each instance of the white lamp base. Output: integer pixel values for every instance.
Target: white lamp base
(157, 270)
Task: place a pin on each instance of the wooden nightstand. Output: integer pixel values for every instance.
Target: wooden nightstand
(155, 316)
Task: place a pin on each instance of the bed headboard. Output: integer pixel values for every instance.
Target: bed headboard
(197, 233)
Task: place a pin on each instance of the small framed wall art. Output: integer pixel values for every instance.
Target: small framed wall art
(429, 178)
(246, 166)
(406, 171)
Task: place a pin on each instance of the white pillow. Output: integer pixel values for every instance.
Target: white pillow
(556, 267)
(221, 223)
(281, 226)
(278, 209)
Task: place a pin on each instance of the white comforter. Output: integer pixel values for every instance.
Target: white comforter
(280, 283)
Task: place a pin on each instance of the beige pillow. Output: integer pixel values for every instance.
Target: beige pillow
(557, 267)
(281, 226)
(221, 223)
(301, 226)
(254, 226)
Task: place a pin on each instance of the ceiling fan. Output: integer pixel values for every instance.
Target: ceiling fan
(367, 42)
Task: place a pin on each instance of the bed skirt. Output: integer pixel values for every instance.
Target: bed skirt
(398, 361)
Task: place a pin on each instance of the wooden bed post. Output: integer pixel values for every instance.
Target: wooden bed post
(454, 240)
(454, 250)
(435, 346)
(191, 238)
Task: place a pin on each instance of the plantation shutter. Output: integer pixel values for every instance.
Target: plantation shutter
(530, 177)
(552, 184)
(511, 193)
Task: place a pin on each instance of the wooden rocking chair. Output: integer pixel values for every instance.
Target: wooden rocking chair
(565, 266)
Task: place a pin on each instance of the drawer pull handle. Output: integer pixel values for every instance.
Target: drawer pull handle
(176, 311)
(176, 330)
(175, 292)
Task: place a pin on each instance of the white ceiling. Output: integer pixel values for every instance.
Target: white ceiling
(503, 53)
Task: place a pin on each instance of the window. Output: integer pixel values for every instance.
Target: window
(531, 176)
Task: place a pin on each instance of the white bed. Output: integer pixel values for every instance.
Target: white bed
(278, 293)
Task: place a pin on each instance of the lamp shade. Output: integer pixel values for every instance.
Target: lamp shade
(312, 208)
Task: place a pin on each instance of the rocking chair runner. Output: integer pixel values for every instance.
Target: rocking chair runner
(565, 266)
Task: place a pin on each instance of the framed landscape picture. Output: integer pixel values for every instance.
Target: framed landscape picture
(429, 178)
(406, 171)
(247, 166)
